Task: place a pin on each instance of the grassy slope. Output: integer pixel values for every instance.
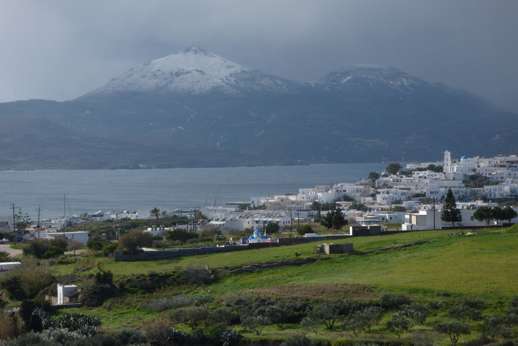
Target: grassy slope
(483, 265)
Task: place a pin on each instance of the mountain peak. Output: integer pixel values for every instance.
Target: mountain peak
(195, 50)
(193, 70)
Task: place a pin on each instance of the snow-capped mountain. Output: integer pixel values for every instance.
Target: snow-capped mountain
(371, 76)
(195, 108)
(193, 71)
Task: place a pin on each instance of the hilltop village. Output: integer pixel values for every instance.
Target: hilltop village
(406, 197)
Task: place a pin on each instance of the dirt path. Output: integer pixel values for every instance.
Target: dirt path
(12, 252)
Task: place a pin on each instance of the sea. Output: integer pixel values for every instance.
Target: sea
(56, 192)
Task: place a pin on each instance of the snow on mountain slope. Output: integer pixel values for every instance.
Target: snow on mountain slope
(371, 76)
(192, 71)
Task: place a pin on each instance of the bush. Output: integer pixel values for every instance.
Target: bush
(325, 313)
(363, 320)
(34, 316)
(46, 248)
(272, 228)
(399, 323)
(192, 315)
(394, 301)
(82, 324)
(161, 333)
(303, 229)
(300, 340)
(98, 289)
(131, 242)
(8, 327)
(26, 282)
(495, 326)
(467, 309)
(4, 257)
(129, 337)
(181, 235)
(453, 329)
(417, 313)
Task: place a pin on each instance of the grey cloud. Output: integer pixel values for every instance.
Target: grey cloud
(61, 49)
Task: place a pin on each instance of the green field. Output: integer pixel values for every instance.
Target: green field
(483, 263)
(424, 265)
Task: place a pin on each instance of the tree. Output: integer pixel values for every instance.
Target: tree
(450, 213)
(22, 219)
(134, 240)
(43, 248)
(393, 168)
(508, 214)
(363, 320)
(180, 235)
(483, 214)
(373, 176)
(155, 212)
(399, 323)
(303, 229)
(333, 219)
(272, 227)
(454, 330)
(325, 313)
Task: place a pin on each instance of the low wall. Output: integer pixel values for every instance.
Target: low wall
(171, 254)
(301, 240)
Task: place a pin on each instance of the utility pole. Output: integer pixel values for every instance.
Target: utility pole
(64, 211)
(433, 208)
(13, 207)
(38, 225)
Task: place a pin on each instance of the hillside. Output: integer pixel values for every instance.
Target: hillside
(198, 109)
(432, 268)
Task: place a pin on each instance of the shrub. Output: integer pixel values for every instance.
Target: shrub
(181, 235)
(326, 313)
(161, 333)
(32, 339)
(254, 323)
(8, 327)
(303, 229)
(393, 301)
(224, 315)
(82, 324)
(399, 324)
(495, 326)
(192, 315)
(272, 227)
(34, 316)
(363, 320)
(26, 282)
(98, 289)
(4, 257)
(300, 340)
(467, 309)
(46, 248)
(230, 338)
(453, 329)
(417, 313)
(129, 337)
(131, 242)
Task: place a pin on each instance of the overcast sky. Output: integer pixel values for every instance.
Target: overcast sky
(61, 49)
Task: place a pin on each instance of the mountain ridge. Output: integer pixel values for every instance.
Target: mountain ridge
(195, 109)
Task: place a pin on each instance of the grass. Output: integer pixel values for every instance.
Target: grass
(427, 265)
(483, 264)
(248, 256)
